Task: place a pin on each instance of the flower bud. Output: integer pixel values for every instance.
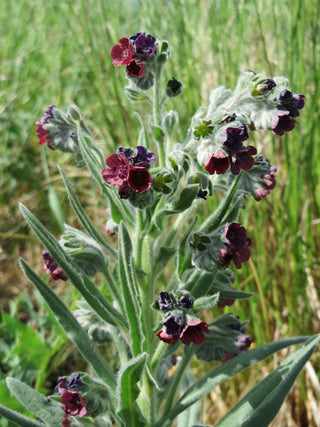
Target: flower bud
(170, 122)
(173, 88)
(263, 86)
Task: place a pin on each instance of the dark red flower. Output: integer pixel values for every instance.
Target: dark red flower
(52, 268)
(232, 138)
(122, 53)
(139, 179)
(73, 403)
(193, 332)
(237, 245)
(242, 159)
(118, 168)
(167, 338)
(282, 122)
(135, 68)
(217, 163)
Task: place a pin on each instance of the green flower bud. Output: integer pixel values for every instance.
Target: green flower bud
(170, 122)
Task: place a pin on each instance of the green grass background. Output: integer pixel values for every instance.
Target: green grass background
(58, 52)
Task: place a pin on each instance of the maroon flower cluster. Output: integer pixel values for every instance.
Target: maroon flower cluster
(236, 245)
(235, 154)
(129, 172)
(41, 132)
(52, 268)
(133, 53)
(193, 332)
(269, 182)
(73, 402)
(290, 104)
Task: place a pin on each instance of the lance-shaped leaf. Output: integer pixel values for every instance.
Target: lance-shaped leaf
(48, 410)
(127, 390)
(262, 403)
(130, 290)
(191, 416)
(19, 419)
(117, 207)
(205, 302)
(82, 216)
(208, 382)
(82, 283)
(71, 326)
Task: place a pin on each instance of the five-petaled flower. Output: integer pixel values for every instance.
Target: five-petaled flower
(236, 245)
(73, 403)
(193, 332)
(122, 53)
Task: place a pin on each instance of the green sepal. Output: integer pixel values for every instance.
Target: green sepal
(262, 403)
(127, 390)
(205, 302)
(185, 198)
(46, 409)
(130, 290)
(19, 419)
(209, 381)
(83, 217)
(159, 135)
(81, 282)
(72, 327)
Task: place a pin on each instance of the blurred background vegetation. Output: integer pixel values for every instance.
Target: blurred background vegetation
(58, 52)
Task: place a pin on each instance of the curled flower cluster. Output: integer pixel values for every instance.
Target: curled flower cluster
(41, 132)
(129, 172)
(235, 154)
(52, 268)
(134, 53)
(236, 245)
(73, 402)
(176, 324)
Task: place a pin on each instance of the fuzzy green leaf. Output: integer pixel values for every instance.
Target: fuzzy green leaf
(81, 282)
(82, 216)
(19, 419)
(205, 302)
(128, 391)
(182, 247)
(262, 403)
(130, 290)
(190, 416)
(223, 372)
(71, 326)
(41, 406)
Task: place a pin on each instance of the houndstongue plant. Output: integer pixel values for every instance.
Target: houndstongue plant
(156, 298)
